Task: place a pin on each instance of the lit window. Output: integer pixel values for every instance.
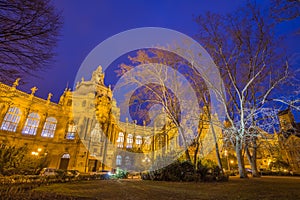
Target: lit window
(71, 132)
(96, 133)
(138, 140)
(120, 140)
(129, 141)
(31, 124)
(119, 160)
(66, 156)
(49, 127)
(147, 142)
(160, 141)
(11, 119)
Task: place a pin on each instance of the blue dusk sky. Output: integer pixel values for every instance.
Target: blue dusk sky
(88, 23)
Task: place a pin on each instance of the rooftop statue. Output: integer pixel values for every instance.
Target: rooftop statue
(16, 83)
(33, 90)
(98, 76)
(49, 96)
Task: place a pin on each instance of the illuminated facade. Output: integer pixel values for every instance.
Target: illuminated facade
(82, 131)
(289, 139)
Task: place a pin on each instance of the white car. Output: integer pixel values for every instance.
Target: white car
(48, 172)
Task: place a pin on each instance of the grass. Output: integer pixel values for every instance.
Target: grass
(253, 188)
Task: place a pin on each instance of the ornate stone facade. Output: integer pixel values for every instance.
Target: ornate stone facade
(289, 139)
(83, 130)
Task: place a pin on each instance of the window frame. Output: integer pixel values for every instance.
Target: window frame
(120, 140)
(129, 141)
(49, 127)
(11, 119)
(71, 133)
(31, 124)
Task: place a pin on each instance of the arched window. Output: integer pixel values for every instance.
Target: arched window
(119, 160)
(129, 141)
(71, 131)
(31, 124)
(138, 140)
(11, 119)
(96, 133)
(49, 127)
(120, 140)
(160, 141)
(147, 142)
(66, 155)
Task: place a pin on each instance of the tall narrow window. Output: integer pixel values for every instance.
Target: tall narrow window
(11, 119)
(31, 124)
(147, 143)
(96, 133)
(120, 140)
(129, 141)
(138, 140)
(119, 160)
(71, 131)
(160, 141)
(49, 127)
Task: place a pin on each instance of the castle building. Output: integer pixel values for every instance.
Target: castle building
(289, 139)
(83, 130)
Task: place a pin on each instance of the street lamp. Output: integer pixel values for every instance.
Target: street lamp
(36, 159)
(146, 159)
(231, 162)
(36, 153)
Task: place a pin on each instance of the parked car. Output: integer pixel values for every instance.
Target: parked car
(48, 172)
(102, 174)
(134, 175)
(74, 173)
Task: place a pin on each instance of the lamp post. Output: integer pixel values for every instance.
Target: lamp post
(231, 162)
(36, 155)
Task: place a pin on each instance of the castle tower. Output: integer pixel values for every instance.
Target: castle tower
(286, 120)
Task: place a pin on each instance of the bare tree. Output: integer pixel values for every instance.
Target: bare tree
(28, 33)
(284, 10)
(165, 89)
(161, 93)
(245, 49)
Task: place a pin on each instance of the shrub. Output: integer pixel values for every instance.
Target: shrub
(210, 171)
(120, 174)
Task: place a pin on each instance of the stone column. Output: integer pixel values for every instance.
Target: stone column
(43, 117)
(24, 114)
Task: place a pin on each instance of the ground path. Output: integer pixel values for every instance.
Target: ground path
(252, 188)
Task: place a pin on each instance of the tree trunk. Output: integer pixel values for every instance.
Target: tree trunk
(252, 159)
(187, 153)
(216, 145)
(240, 159)
(197, 147)
(195, 153)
